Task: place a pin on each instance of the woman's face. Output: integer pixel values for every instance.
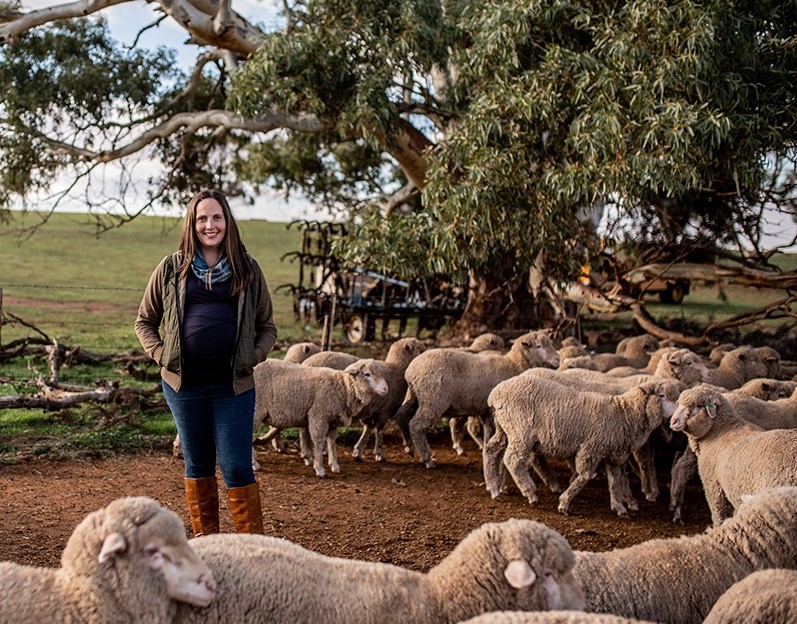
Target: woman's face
(210, 224)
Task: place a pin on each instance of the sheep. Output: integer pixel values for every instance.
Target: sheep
(680, 364)
(649, 369)
(549, 617)
(737, 366)
(768, 389)
(636, 354)
(734, 457)
(486, 342)
(375, 415)
(516, 564)
(771, 359)
(776, 414)
(295, 395)
(128, 562)
(299, 352)
(535, 417)
(456, 383)
(717, 353)
(679, 579)
(764, 597)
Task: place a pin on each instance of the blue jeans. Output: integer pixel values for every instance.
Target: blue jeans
(211, 421)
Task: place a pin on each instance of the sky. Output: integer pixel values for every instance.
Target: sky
(126, 21)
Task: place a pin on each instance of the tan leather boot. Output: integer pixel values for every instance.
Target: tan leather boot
(245, 508)
(203, 505)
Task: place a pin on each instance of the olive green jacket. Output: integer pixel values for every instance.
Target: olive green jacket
(161, 310)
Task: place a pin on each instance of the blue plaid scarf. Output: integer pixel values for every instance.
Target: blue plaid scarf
(210, 275)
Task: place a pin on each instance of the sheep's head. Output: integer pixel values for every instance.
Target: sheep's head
(487, 342)
(662, 398)
(771, 359)
(745, 360)
(371, 373)
(538, 349)
(684, 365)
(579, 361)
(404, 351)
(517, 564)
(697, 410)
(136, 538)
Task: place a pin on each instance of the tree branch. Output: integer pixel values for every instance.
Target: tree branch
(23, 22)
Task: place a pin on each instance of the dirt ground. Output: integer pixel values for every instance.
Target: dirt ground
(396, 512)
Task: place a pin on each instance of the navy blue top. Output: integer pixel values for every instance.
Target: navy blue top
(209, 330)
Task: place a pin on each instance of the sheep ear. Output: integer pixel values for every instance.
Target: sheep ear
(113, 545)
(519, 574)
(711, 410)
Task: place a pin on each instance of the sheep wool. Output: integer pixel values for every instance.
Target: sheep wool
(550, 617)
(127, 563)
(734, 457)
(516, 564)
(295, 395)
(678, 580)
(457, 383)
(765, 597)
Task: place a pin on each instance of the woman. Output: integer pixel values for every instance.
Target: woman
(206, 318)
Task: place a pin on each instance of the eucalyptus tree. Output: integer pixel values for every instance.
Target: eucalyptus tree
(460, 138)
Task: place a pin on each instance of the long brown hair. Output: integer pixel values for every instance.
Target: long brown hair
(232, 245)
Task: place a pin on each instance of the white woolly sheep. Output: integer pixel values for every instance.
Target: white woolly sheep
(771, 359)
(774, 414)
(635, 354)
(680, 364)
(486, 342)
(737, 367)
(649, 369)
(295, 395)
(764, 597)
(375, 415)
(734, 457)
(717, 353)
(550, 617)
(129, 562)
(456, 383)
(768, 389)
(516, 564)
(299, 352)
(678, 580)
(536, 418)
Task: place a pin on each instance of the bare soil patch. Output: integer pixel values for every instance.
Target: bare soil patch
(396, 512)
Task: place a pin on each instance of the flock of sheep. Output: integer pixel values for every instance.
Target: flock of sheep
(736, 410)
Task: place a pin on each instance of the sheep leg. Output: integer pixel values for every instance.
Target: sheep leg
(305, 446)
(379, 442)
(318, 429)
(628, 496)
(585, 470)
(617, 483)
(545, 472)
(177, 449)
(682, 471)
(332, 450)
(403, 417)
(476, 431)
(423, 420)
(516, 462)
(359, 448)
(492, 460)
(457, 433)
(644, 457)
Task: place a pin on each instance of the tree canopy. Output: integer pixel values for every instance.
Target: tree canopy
(461, 138)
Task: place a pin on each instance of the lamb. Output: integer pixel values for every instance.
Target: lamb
(376, 414)
(535, 417)
(295, 395)
(679, 579)
(764, 597)
(549, 617)
(457, 383)
(768, 389)
(734, 457)
(737, 366)
(129, 562)
(299, 352)
(636, 354)
(516, 564)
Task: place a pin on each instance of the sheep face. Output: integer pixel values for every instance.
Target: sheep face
(666, 395)
(697, 411)
(538, 350)
(684, 365)
(746, 359)
(371, 372)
